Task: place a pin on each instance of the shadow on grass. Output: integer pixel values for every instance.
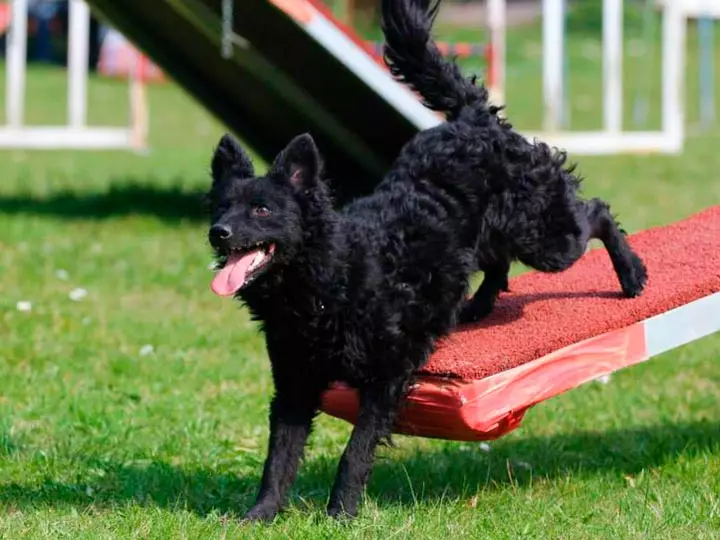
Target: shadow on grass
(455, 470)
(123, 198)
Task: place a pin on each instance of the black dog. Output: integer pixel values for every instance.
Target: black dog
(361, 294)
(529, 205)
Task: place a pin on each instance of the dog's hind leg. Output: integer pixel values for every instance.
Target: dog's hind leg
(482, 302)
(378, 406)
(592, 219)
(630, 270)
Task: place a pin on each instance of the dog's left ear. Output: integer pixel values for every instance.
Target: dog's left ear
(229, 155)
(299, 162)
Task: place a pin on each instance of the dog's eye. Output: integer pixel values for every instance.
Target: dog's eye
(261, 211)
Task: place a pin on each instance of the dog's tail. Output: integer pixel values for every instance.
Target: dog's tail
(415, 60)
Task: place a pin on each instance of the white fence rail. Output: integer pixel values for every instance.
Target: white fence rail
(76, 134)
(612, 138)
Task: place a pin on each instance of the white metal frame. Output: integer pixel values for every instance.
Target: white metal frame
(612, 138)
(76, 134)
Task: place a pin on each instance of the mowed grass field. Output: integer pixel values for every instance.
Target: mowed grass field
(133, 402)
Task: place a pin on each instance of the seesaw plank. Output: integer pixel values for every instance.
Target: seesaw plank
(555, 332)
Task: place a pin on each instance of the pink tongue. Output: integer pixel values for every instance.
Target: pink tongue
(233, 275)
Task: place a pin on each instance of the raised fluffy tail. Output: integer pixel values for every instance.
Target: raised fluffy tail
(415, 60)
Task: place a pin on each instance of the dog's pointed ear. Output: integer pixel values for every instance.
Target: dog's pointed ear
(299, 162)
(229, 155)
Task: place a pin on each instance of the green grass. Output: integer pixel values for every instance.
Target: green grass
(98, 440)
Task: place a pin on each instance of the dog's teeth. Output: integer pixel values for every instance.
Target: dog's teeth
(257, 260)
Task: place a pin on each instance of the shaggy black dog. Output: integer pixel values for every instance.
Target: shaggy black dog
(528, 203)
(361, 294)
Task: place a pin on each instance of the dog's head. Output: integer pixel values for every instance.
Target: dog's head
(257, 221)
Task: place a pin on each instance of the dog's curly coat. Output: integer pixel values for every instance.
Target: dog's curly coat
(361, 294)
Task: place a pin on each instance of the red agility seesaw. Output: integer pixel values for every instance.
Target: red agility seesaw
(554, 332)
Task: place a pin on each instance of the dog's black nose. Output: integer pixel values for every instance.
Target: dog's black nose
(220, 232)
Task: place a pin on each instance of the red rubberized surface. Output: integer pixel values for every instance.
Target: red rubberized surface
(549, 335)
(545, 312)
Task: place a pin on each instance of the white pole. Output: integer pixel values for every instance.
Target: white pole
(78, 49)
(138, 103)
(227, 29)
(497, 24)
(16, 64)
(673, 72)
(612, 65)
(553, 45)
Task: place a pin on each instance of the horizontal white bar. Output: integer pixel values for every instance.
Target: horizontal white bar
(65, 138)
(683, 325)
(694, 8)
(602, 143)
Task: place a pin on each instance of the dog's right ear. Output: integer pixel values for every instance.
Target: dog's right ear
(229, 155)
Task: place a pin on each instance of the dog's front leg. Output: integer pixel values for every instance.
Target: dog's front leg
(291, 417)
(483, 301)
(378, 405)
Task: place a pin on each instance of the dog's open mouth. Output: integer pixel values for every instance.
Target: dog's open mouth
(241, 268)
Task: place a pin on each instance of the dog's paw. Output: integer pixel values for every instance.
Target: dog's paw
(634, 279)
(260, 513)
(472, 312)
(342, 513)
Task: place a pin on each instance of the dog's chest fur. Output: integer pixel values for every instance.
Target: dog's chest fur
(371, 310)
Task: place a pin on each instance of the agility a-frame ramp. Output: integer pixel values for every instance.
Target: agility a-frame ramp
(271, 69)
(554, 332)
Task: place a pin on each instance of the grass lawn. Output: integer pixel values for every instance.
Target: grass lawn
(139, 409)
